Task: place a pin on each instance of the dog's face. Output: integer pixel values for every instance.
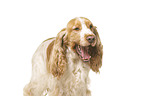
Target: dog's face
(81, 37)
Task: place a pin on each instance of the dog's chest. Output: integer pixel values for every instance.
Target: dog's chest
(76, 67)
(75, 79)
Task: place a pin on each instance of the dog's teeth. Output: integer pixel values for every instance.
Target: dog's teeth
(80, 52)
(79, 47)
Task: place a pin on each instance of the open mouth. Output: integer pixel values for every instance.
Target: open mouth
(83, 52)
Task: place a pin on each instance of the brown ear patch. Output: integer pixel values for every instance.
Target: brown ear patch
(56, 55)
(96, 53)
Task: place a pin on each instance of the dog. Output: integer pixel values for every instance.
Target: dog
(61, 64)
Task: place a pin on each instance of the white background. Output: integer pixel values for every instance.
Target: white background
(24, 24)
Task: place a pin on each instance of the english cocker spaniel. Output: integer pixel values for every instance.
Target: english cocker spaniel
(61, 65)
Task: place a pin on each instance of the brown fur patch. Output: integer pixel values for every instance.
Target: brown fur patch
(73, 36)
(73, 23)
(96, 54)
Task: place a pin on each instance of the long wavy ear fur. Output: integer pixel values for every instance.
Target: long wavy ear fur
(96, 53)
(57, 59)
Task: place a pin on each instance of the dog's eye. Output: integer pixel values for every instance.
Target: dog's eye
(77, 28)
(91, 26)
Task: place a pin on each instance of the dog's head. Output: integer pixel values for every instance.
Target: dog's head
(82, 37)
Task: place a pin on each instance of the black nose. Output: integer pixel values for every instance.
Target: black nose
(90, 39)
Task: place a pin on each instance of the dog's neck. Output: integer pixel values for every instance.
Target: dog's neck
(76, 67)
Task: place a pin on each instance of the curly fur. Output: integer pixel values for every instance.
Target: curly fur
(57, 63)
(56, 66)
(96, 53)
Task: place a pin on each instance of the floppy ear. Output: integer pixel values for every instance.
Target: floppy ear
(96, 53)
(57, 59)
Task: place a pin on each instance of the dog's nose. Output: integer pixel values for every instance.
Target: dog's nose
(90, 39)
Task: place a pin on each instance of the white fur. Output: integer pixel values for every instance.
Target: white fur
(84, 31)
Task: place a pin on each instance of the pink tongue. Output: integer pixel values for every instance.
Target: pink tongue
(85, 53)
